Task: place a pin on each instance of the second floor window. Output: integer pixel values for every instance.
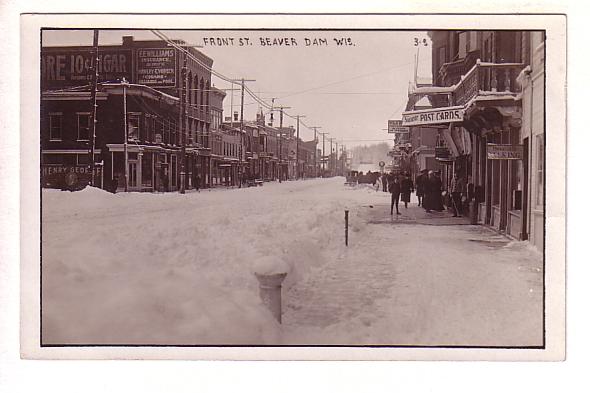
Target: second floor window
(83, 126)
(133, 127)
(55, 126)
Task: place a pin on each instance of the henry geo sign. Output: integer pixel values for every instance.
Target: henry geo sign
(432, 116)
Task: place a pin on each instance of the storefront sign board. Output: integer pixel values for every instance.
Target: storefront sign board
(433, 116)
(504, 152)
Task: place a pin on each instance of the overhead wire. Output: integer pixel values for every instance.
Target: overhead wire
(254, 96)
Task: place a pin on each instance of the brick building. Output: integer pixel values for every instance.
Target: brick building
(157, 76)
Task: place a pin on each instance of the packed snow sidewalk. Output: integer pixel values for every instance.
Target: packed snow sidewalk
(178, 270)
(427, 283)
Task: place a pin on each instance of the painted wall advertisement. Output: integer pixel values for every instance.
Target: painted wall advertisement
(72, 177)
(156, 67)
(63, 68)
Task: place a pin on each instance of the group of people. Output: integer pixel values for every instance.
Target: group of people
(429, 190)
(399, 186)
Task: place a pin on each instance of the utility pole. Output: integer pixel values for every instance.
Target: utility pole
(345, 155)
(125, 152)
(331, 158)
(323, 152)
(182, 125)
(242, 158)
(297, 150)
(336, 163)
(231, 106)
(94, 68)
(315, 151)
(281, 108)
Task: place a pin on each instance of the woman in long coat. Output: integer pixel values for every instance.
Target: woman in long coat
(406, 187)
(420, 180)
(437, 203)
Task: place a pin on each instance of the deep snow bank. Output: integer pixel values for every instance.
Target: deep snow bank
(178, 269)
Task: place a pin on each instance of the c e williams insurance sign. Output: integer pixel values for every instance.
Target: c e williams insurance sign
(433, 116)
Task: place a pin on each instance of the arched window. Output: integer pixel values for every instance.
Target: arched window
(207, 91)
(189, 87)
(202, 87)
(195, 92)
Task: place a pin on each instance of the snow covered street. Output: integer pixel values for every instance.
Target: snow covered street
(179, 270)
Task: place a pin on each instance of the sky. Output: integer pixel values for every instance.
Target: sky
(348, 90)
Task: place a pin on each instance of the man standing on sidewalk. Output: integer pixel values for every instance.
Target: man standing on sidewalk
(420, 180)
(457, 190)
(394, 189)
(407, 188)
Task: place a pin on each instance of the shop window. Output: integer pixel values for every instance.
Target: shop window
(153, 131)
(540, 167)
(55, 126)
(53, 159)
(133, 127)
(148, 128)
(83, 126)
(166, 131)
(174, 132)
(82, 159)
(462, 44)
(146, 170)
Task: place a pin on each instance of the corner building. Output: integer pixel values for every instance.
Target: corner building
(157, 130)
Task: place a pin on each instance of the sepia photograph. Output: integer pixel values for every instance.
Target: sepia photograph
(295, 187)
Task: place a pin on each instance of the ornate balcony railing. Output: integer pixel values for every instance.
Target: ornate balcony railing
(487, 78)
(450, 73)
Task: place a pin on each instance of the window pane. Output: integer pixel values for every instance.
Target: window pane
(55, 127)
(83, 127)
(83, 159)
(133, 127)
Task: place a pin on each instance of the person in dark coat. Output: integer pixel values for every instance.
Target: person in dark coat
(165, 181)
(428, 185)
(197, 182)
(420, 180)
(384, 181)
(457, 192)
(436, 188)
(395, 189)
(406, 187)
(114, 184)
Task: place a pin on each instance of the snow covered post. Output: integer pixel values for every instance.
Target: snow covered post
(270, 291)
(346, 227)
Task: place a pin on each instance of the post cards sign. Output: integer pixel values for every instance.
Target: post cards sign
(433, 116)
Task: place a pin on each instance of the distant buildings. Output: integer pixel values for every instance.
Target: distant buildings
(159, 123)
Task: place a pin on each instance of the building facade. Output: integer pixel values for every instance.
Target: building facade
(489, 110)
(149, 71)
